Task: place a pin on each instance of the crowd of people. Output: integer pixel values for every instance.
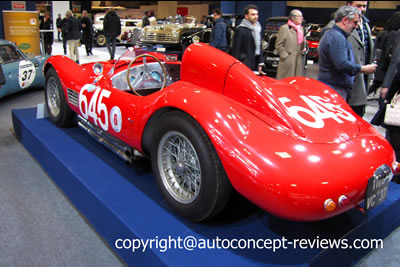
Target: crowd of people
(71, 30)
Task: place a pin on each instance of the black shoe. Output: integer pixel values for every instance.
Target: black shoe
(77, 61)
(65, 52)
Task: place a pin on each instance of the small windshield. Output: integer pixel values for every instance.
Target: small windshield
(128, 55)
(178, 19)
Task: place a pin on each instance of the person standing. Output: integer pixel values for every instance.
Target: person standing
(146, 20)
(73, 33)
(246, 45)
(363, 49)
(336, 60)
(384, 41)
(59, 26)
(391, 86)
(291, 46)
(47, 24)
(63, 34)
(218, 34)
(87, 32)
(112, 29)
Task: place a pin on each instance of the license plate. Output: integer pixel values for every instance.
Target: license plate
(376, 192)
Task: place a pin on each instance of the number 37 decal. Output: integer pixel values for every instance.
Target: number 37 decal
(318, 111)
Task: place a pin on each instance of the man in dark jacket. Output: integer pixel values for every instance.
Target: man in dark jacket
(246, 45)
(145, 20)
(112, 29)
(218, 34)
(72, 30)
(63, 34)
(87, 32)
(59, 26)
(337, 67)
(47, 24)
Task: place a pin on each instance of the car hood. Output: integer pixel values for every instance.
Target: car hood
(172, 27)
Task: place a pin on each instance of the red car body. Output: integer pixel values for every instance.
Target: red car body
(288, 146)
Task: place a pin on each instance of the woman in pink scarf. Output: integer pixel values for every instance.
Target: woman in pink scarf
(290, 45)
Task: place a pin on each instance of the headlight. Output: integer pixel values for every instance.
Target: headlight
(196, 39)
(98, 69)
(174, 34)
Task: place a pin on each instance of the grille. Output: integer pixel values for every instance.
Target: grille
(72, 97)
(158, 37)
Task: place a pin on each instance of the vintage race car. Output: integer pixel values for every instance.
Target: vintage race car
(209, 124)
(18, 71)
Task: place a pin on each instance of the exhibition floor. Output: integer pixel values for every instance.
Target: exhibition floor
(39, 226)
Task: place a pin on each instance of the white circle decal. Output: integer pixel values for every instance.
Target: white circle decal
(26, 73)
(116, 119)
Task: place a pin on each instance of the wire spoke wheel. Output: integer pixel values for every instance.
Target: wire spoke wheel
(57, 106)
(53, 97)
(179, 167)
(187, 168)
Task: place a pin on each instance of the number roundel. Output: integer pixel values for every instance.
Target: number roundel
(116, 119)
(26, 73)
(93, 106)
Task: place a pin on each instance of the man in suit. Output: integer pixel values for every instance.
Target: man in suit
(363, 47)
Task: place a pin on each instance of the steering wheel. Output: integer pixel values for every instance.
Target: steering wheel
(145, 76)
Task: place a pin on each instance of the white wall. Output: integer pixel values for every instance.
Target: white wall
(59, 7)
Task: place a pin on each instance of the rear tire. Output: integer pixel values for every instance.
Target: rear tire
(59, 111)
(188, 171)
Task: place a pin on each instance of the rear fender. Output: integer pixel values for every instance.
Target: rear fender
(263, 164)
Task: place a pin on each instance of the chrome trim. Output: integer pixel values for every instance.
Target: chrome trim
(383, 172)
(120, 148)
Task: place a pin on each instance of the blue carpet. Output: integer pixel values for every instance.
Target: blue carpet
(122, 202)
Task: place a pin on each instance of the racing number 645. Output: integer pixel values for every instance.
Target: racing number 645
(95, 107)
(318, 110)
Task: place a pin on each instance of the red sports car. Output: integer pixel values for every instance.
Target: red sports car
(209, 124)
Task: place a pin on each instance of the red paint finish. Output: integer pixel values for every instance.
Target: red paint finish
(285, 145)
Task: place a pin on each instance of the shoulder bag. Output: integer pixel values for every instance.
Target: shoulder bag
(392, 114)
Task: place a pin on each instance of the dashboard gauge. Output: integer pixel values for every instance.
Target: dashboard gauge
(156, 76)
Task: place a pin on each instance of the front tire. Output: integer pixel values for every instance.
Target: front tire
(56, 103)
(189, 173)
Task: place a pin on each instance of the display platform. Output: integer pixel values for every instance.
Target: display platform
(122, 204)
